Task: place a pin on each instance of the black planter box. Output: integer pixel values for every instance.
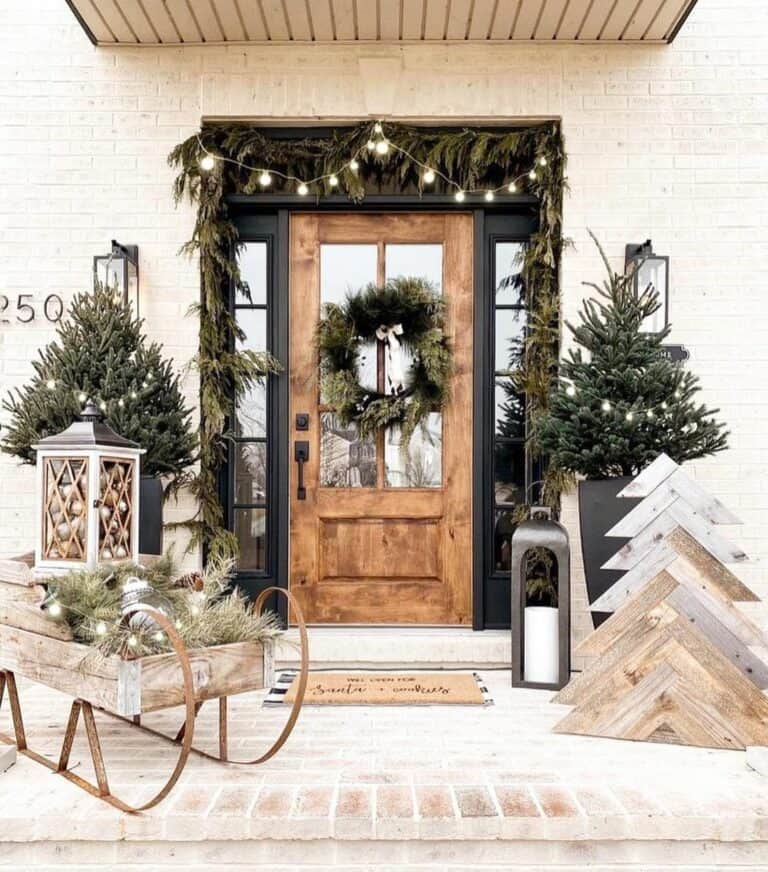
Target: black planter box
(599, 510)
(150, 515)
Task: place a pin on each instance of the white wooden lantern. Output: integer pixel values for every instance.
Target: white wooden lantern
(88, 496)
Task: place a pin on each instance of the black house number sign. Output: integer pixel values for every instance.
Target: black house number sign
(25, 309)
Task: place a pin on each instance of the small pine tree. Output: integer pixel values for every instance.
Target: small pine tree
(101, 353)
(624, 402)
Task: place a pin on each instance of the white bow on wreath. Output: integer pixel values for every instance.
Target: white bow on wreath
(395, 375)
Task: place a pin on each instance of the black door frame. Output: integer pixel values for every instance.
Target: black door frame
(266, 217)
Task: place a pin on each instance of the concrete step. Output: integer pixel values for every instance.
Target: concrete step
(351, 647)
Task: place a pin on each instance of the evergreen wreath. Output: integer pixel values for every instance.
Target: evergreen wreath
(407, 312)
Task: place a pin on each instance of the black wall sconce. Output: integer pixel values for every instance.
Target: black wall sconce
(119, 270)
(647, 269)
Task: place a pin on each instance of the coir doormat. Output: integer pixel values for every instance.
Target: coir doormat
(384, 688)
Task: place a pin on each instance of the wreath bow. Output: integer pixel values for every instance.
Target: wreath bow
(395, 375)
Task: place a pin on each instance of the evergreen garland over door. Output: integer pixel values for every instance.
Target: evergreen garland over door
(383, 534)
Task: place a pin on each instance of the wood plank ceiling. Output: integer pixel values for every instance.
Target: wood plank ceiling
(176, 22)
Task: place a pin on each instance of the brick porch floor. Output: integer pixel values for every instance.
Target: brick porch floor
(430, 787)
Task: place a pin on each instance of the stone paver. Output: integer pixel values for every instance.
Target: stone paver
(389, 774)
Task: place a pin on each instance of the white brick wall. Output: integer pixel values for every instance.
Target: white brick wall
(668, 142)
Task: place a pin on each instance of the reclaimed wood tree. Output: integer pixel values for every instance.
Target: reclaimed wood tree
(677, 661)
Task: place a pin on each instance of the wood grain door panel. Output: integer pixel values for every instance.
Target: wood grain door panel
(382, 554)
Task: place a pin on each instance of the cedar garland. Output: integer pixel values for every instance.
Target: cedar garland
(472, 158)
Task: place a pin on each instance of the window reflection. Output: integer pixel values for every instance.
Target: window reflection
(345, 459)
(252, 260)
(508, 279)
(416, 261)
(421, 464)
(345, 269)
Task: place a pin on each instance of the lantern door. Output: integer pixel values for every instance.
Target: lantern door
(384, 532)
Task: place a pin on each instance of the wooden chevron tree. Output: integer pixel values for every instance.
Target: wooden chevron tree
(676, 661)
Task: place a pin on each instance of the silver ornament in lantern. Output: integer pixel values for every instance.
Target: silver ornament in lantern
(87, 495)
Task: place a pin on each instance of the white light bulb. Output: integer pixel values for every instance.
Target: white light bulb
(629, 416)
(54, 610)
(133, 395)
(571, 390)
(354, 165)
(532, 175)
(132, 641)
(677, 395)
(103, 406)
(489, 196)
(378, 128)
(121, 402)
(82, 397)
(194, 610)
(512, 188)
(178, 625)
(207, 162)
(459, 195)
(302, 190)
(542, 161)
(51, 384)
(333, 181)
(265, 179)
(149, 376)
(606, 406)
(101, 629)
(370, 145)
(158, 637)
(382, 146)
(429, 176)
(649, 414)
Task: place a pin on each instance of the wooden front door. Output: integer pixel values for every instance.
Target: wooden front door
(384, 534)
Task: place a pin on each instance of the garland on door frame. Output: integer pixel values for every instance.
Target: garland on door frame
(406, 312)
(237, 158)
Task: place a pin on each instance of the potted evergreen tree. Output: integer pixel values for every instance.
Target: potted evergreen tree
(621, 402)
(101, 353)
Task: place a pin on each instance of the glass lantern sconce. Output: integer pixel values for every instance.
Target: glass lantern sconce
(119, 270)
(649, 269)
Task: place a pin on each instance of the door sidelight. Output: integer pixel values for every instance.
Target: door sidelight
(301, 456)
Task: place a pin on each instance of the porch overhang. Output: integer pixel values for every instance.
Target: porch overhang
(258, 22)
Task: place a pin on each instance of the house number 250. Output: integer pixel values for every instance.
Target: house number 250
(53, 307)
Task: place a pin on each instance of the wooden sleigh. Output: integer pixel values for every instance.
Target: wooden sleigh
(127, 689)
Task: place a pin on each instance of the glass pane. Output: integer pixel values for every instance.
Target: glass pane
(509, 472)
(345, 460)
(251, 532)
(251, 413)
(508, 281)
(502, 541)
(253, 322)
(251, 473)
(510, 336)
(653, 273)
(253, 272)
(509, 410)
(421, 465)
(419, 261)
(345, 268)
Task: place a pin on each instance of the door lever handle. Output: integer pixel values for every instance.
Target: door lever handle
(301, 456)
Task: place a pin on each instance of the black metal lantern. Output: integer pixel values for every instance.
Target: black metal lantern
(649, 269)
(541, 634)
(119, 270)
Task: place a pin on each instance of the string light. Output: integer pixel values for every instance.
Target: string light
(103, 406)
(664, 404)
(605, 406)
(54, 610)
(159, 636)
(51, 384)
(82, 397)
(133, 641)
(101, 629)
(571, 390)
(121, 402)
(379, 144)
(649, 414)
(629, 416)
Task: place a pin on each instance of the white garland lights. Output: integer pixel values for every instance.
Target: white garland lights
(633, 413)
(378, 143)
